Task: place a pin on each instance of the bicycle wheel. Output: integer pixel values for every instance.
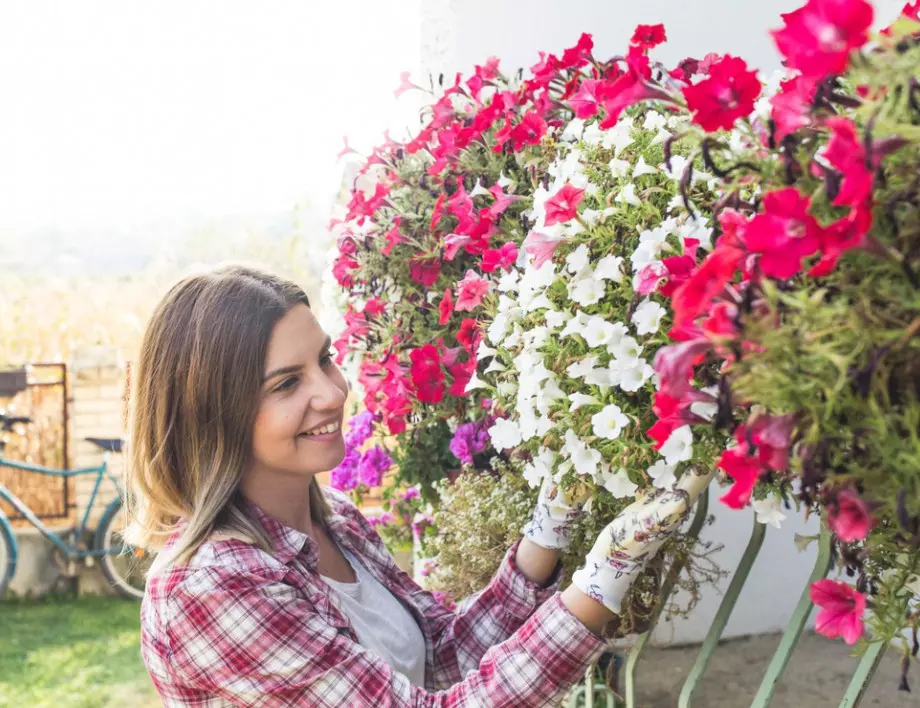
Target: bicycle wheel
(123, 565)
(7, 557)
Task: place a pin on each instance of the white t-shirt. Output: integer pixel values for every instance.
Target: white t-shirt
(383, 624)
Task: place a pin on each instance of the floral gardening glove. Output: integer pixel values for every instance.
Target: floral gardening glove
(631, 540)
(555, 514)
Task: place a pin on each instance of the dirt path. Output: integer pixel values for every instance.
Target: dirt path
(816, 677)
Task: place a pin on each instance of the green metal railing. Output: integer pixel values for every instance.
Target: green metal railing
(591, 695)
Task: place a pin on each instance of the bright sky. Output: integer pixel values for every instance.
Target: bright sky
(118, 112)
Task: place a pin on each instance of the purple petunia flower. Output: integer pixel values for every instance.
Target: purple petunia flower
(374, 464)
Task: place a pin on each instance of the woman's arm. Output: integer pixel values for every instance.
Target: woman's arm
(536, 563)
(264, 645)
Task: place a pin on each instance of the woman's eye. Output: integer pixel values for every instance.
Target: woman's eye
(327, 358)
(287, 384)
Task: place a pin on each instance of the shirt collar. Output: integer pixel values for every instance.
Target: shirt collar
(287, 542)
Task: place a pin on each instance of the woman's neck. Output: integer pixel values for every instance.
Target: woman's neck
(283, 497)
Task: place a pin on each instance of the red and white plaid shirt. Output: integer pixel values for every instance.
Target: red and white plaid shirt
(240, 627)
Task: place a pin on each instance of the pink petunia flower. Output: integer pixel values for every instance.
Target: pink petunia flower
(842, 609)
(850, 519)
(784, 233)
(563, 205)
(541, 247)
(726, 95)
(817, 39)
(470, 292)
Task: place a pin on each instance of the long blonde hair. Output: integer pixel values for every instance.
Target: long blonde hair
(196, 389)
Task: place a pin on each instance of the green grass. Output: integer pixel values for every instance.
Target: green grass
(72, 653)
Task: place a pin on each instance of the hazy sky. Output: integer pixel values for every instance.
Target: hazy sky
(119, 112)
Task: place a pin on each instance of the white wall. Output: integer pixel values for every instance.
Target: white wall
(456, 35)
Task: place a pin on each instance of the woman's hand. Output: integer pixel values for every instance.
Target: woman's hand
(555, 514)
(630, 541)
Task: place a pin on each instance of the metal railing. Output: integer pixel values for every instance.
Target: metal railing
(592, 694)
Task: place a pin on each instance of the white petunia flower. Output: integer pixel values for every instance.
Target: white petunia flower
(533, 475)
(592, 135)
(555, 319)
(647, 317)
(505, 434)
(654, 121)
(609, 422)
(620, 330)
(479, 190)
(574, 129)
(618, 483)
(584, 458)
(577, 260)
(580, 369)
(627, 195)
(609, 268)
(598, 331)
(538, 336)
(769, 511)
(575, 325)
(643, 168)
(503, 181)
(601, 376)
(590, 216)
(485, 350)
(705, 409)
(620, 136)
(627, 352)
(586, 289)
(697, 228)
(619, 168)
(679, 446)
(509, 281)
(474, 383)
(635, 377)
(581, 399)
(496, 365)
(662, 474)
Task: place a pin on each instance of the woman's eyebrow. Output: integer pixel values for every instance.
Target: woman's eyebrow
(282, 371)
(327, 343)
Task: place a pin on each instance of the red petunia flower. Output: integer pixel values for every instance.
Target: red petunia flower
(563, 205)
(842, 607)
(446, 308)
(426, 373)
(586, 101)
(850, 518)
(495, 258)
(792, 105)
(425, 270)
(784, 233)
(468, 335)
(817, 39)
(846, 152)
(728, 93)
(648, 36)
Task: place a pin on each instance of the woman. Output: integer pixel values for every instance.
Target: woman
(271, 591)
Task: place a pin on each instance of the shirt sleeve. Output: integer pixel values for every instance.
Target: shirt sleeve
(461, 638)
(258, 643)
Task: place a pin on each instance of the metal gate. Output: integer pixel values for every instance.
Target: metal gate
(38, 391)
(591, 694)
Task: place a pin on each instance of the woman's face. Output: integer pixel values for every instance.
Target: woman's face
(298, 428)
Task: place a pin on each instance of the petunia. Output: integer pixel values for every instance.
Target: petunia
(850, 518)
(841, 610)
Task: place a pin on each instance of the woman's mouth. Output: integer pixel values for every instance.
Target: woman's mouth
(322, 433)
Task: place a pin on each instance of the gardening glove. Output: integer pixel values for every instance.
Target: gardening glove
(626, 545)
(555, 514)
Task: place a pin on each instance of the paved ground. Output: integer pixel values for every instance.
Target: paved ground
(816, 677)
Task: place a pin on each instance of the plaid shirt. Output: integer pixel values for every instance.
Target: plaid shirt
(239, 627)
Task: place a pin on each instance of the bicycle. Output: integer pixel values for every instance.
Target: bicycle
(123, 565)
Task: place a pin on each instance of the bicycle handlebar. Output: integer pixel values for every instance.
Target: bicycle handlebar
(8, 421)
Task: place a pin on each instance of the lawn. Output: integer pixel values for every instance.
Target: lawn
(72, 653)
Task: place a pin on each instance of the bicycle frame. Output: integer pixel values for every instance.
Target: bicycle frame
(101, 472)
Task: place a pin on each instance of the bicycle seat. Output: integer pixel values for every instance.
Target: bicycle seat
(107, 444)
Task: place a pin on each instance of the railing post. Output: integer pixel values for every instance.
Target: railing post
(795, 626)
(699, 517)
(721, 619)
(859, 684)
